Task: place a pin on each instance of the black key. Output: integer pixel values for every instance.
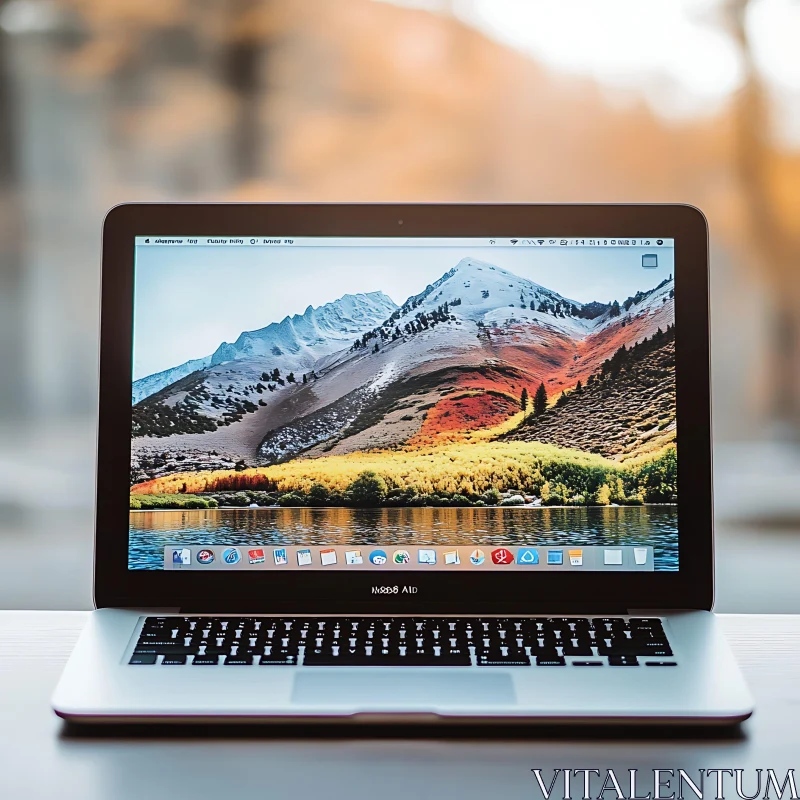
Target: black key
(499, 660)
(550, 661)
(444, 660)
(623, 661)
(151, 641)
(143, 658)
(655, 650)
(279, 658)
(242, 660)
(661, 663)
(582, 648)
(142, 649)
(173, 660)
(213, 650)
(619, 648)
(206, 660)
(587, 663)
(174, 650)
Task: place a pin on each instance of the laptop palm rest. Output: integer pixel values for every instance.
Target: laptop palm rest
(399, 688)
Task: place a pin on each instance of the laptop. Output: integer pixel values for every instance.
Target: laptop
(407, 463)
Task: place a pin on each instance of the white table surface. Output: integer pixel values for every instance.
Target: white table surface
(42, 757)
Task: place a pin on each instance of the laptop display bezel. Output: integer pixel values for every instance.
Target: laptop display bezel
(491, 591)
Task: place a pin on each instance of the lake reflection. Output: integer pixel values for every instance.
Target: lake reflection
(151, 531)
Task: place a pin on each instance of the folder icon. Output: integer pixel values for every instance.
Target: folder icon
(613, 557)
(576, 558)
(640, 555)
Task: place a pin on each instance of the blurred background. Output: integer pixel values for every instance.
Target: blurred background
(107, 101)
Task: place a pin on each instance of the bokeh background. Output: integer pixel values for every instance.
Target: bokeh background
(106, 101)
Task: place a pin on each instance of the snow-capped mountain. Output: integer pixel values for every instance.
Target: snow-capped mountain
(151, 384)
(483, 292)
(295, 343)
(315, 333)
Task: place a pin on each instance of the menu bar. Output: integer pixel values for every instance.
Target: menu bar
(374, 558)
(398, 241)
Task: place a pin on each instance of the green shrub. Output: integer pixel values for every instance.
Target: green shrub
(153, 502)
(291, 499)
(318, 495)
(367, 490)
(196, 502)
(492, 497)
(657, 480)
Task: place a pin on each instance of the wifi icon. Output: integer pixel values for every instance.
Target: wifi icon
(514, 241)
(541, 241)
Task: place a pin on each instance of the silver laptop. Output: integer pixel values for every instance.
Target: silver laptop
(416, 463)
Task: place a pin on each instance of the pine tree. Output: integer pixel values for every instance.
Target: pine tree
(305, 378)
(615, 312)
(578, 387)
(523, 399)
(290, 377)
(540, 400)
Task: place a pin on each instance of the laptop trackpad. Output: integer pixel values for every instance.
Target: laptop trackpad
(377, 689)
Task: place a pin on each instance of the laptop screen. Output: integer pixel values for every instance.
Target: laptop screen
(393, 404)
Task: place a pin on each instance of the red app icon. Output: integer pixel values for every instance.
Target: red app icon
(502, 556)
(256, 556)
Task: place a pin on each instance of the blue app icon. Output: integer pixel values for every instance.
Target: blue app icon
(527, 555)
(378, 557)
(555, 556)
(231, 555)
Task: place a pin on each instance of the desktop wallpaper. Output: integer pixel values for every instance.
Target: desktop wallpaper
(398, 395)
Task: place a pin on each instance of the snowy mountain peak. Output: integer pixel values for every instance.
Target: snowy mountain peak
(294, 343)
(336, 322)
(481, 291)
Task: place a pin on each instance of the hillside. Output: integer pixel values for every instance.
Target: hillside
(450, 360)
(627, 408)
(293, 344)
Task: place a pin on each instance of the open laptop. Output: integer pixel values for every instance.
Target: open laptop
(404, 462)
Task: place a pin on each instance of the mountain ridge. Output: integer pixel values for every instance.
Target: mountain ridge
(303, 337)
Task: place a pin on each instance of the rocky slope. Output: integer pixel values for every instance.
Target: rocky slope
(627, 407)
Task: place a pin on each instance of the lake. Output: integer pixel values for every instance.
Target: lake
(151, 531)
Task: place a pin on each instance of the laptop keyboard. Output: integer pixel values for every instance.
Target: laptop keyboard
(403, 641)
